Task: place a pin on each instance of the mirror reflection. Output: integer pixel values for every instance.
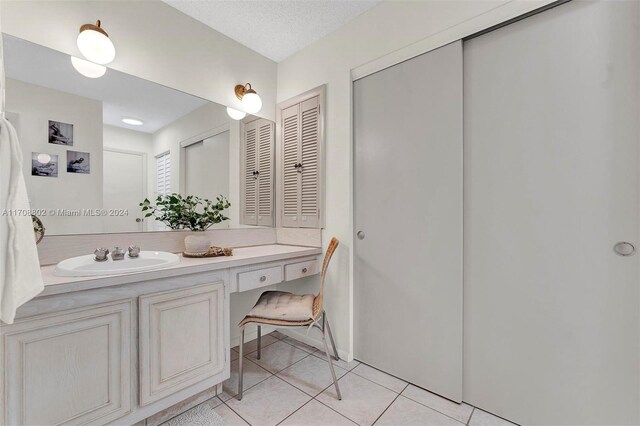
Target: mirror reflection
(98, 142)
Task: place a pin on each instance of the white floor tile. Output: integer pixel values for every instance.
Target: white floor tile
(252, 345)
(277, 335)
(229, 416)
(380, 378)
(234, 355)
(460, 412)
(269, 402)
(406, 412)
(278, 356)
(362, 400)
(300, 345)
(316, 414)
(311, 375)
(341, 363)
(253, 374)
(482, 418)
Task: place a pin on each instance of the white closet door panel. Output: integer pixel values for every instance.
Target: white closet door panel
(408, 204)
(265, 167)
(309, 158)
(290, 173)
(551, 184)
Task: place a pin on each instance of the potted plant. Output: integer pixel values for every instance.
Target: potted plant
(193, 213)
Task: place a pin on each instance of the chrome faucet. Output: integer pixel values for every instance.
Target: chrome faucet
(134, 252)
(117, 254)
(101, 254)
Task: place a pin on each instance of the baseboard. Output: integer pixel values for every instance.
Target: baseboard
(316, 343)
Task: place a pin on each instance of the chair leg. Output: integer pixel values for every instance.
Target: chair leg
(240, 369)
(259, 340)
(333, 343)
(333, 371)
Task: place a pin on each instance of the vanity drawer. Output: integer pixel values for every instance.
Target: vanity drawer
(294, 271)
(260, 278)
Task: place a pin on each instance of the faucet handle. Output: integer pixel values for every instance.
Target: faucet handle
(117, 254)
(101, 254)
(134, 251)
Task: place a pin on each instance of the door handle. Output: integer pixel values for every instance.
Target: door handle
(360, 235)
(138, 220)
(624, 248)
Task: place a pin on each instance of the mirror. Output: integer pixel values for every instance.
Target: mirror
(95, 148)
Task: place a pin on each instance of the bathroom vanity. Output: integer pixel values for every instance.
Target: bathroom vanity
(121, 348)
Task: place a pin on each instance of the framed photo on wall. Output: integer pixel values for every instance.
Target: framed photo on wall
(78, 162)
(44, 164)
(60, 133)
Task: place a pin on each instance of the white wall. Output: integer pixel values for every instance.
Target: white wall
(35, 106)
(390, 32)
(153, 41)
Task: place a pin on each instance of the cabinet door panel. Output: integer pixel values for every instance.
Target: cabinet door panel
(309, 197)
(290, 159)
(71, 368)
(181, 339)
(266, 172)
(250, 181)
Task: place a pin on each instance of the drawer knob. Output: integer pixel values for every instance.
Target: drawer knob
(304, 270)
(263, 278)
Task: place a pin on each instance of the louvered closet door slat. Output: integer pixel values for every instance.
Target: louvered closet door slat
(290, 174)
(250, 179)
(310, 154)
(265, 167)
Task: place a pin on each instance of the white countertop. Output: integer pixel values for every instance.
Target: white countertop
(241, 256)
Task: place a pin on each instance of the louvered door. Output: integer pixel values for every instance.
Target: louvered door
(300, 172)
(290, 160)
(309, 164)
(250, 184)
(257, 173)
(265, 170)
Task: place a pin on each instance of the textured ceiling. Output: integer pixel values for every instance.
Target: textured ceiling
(274, 28)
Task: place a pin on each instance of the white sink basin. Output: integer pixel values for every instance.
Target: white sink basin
(83, 266)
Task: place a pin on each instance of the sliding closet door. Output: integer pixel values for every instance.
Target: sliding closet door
(551, 186)
(408, 216)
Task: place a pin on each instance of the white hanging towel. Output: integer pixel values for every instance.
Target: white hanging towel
(20, 276)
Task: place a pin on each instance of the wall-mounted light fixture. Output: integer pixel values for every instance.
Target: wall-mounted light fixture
(251, 102)
(235, 114)
(94, 43)
(88, 69)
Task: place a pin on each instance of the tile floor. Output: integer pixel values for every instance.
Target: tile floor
(291, 385)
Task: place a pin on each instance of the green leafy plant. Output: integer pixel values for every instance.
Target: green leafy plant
(190, 212)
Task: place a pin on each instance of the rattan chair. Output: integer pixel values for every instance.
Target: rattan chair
(280, 309)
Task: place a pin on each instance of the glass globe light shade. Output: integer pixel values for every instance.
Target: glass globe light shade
(96, 47)
(88, 69)
(251, 102)
(235, 114)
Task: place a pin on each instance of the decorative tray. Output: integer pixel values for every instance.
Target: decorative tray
(213, 252)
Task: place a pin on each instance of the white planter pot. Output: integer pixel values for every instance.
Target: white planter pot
(196, 243)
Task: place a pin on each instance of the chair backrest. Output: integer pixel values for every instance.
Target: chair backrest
(318, 301)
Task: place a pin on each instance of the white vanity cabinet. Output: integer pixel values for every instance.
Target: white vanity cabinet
(69, 367)
(181, 339)
(115, 355)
